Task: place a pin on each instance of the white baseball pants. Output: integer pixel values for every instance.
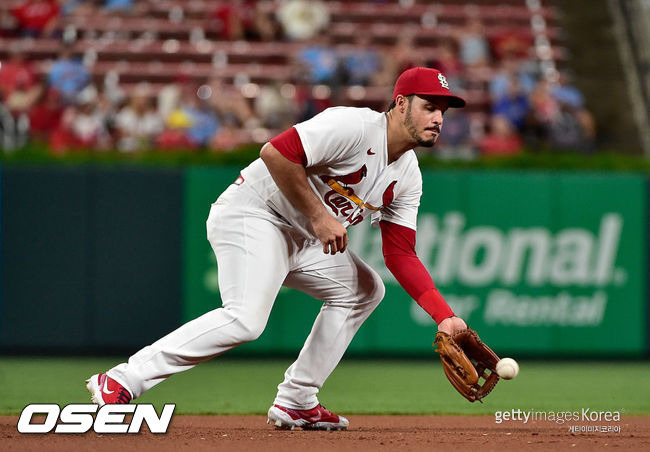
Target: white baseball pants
(257, 253)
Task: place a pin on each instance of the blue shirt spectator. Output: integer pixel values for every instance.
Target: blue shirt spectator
(361, 66)
(514, 107)
(322, 62)
(511, 72)
(68, 76)
(118, 5)
(204, 125)
(568, 95)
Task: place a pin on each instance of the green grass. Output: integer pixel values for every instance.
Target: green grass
(233, 386)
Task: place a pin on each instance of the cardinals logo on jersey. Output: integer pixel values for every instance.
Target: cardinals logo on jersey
(341, 198)
(348, 179)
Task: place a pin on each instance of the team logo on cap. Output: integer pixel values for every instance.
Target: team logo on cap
(443, 81)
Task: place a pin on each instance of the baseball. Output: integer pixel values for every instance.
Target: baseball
(507, 368)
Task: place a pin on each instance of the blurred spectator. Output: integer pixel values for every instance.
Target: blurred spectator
(303, 19)
(243, 19)
(45, 117)
(510, 70)
(83, 125)
(138, 123)
(266, 27)
(168, 99)
(543, 112)
(363, 63)
(274, 106)
(118, 6)
(15, 72)
(37, 17)
(319, 61)
(68, 75)
(456, 141)
(204, 123)
(311, 100)
(514, 105)
(227, 20)
(558, 118)
(545, 107)
(194, 119)
(474, 49)
(7, 23)
(572, 130)
(566, 93)
(502, 138)
(228, 138)
(229, 104)
(22, 98)
(509, 43)
(175, 134)
(404, 55)
(69, 7)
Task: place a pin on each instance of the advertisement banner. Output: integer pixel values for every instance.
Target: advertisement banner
(538, 263)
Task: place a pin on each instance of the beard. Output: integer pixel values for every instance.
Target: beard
(413, 131)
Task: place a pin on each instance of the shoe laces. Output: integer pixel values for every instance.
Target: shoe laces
(325, 409)
(123, 396)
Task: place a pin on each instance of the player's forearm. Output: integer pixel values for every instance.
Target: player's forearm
(413, 276)
(291, 179)
(408, 270)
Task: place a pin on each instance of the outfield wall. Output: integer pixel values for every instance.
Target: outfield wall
(539, 263)
(90, 257)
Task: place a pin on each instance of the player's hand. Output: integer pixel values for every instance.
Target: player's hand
(451, 325)
(332, 235)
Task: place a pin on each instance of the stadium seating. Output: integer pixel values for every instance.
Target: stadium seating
(160, 41)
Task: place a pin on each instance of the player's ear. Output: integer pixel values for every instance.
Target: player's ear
(400, 102)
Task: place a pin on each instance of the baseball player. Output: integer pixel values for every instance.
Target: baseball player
(283, 222)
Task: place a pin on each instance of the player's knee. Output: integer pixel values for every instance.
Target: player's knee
(379, 290)
(374, 292)
(250, 328)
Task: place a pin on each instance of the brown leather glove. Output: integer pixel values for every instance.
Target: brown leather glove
(465, 360)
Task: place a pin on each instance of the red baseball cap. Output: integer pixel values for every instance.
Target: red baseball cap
(426, 82)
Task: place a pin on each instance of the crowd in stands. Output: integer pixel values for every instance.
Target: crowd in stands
(513, 106)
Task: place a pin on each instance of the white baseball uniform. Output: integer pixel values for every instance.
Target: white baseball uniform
(262, 243)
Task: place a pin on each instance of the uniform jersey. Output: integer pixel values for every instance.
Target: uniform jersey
(346, 160)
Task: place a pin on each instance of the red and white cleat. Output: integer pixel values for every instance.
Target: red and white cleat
(318, 418)
(104, 390)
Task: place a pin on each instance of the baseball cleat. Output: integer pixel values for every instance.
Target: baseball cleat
(104, 390)
(318, 418)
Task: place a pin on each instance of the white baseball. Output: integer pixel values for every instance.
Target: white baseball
(507, 368)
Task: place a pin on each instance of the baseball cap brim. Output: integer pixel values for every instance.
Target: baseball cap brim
(452, 101)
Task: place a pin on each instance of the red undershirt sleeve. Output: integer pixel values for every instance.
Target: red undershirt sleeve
(289, 145)
(398, 244)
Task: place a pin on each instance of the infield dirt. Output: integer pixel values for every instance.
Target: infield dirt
(366, 433)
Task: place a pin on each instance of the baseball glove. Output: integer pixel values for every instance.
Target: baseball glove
(465, 360)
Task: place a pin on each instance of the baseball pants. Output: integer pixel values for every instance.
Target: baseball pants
(257, 253)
